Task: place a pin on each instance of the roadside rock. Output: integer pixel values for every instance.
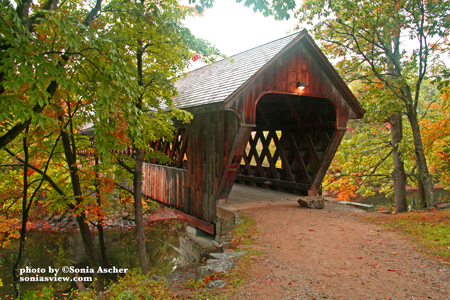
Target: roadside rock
(316, 202)
(216, 284)
(57, 218)
(227, 255)
(202, 272)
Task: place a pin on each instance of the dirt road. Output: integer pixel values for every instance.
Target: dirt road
(335, 254)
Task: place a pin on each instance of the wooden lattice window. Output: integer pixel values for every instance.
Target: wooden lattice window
(287, 147)
(175, 149)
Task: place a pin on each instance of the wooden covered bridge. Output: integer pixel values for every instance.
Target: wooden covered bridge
(273, 118)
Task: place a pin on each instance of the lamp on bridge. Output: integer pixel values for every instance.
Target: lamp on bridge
(301, 86)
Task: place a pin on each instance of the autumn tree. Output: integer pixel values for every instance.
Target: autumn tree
(401, 42)
(158, 47)
(436, 133)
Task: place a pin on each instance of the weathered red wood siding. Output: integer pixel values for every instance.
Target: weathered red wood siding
(167, 185)
(211, 137)
(301, 63)
(220, 131)
(194, 191)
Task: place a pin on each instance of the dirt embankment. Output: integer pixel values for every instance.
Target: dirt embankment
(335, 254)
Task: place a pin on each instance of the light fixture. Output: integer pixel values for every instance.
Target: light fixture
(300, 85)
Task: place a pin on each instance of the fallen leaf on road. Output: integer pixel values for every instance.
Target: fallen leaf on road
(422, 266)
(375, 266)
(395, 253)
(392, 270)
(359, 257)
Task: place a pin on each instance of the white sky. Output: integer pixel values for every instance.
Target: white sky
(233, 28)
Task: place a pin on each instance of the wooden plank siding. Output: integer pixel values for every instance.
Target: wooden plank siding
(167, 185)
(255, 93)
(211, 137)
(299, 63)
(194, 191)
(296, 65)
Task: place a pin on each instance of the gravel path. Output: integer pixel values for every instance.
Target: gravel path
(335, 254)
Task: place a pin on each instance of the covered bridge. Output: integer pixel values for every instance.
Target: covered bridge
(273, 118)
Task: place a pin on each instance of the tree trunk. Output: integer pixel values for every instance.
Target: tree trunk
(398, 174)
(137, 193)
(23, 229)
(101, 236)
(421, 161)
(423, 198)
(81, 218)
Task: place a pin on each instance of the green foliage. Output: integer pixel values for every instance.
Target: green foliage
(388, 50)
(279, 9)
(45, 294)
(135, 285)
(243, 233)
(429, 229)
(363, 162)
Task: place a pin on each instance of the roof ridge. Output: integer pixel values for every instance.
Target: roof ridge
(296, 33)
(242, 52)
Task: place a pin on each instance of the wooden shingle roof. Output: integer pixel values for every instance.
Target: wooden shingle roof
(222, 81)
(215, 83)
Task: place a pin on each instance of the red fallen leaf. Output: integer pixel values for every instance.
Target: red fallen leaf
(360, 257)
(392, 270)
(423, 266)
(375, 266)
(373, 251)
(290, 283)
(394, 253)
(324, 287)
(339, 273)
(311, 230)
(141, 297)
(437, 240)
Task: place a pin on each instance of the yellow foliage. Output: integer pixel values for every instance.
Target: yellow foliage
(7, 231)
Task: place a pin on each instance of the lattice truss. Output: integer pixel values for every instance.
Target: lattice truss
(288, 146)
(174, 149)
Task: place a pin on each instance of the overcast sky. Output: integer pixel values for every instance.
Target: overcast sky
(233, 28)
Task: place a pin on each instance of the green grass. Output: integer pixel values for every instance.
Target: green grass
(431, 230)
(243, 234)
(241, 274)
